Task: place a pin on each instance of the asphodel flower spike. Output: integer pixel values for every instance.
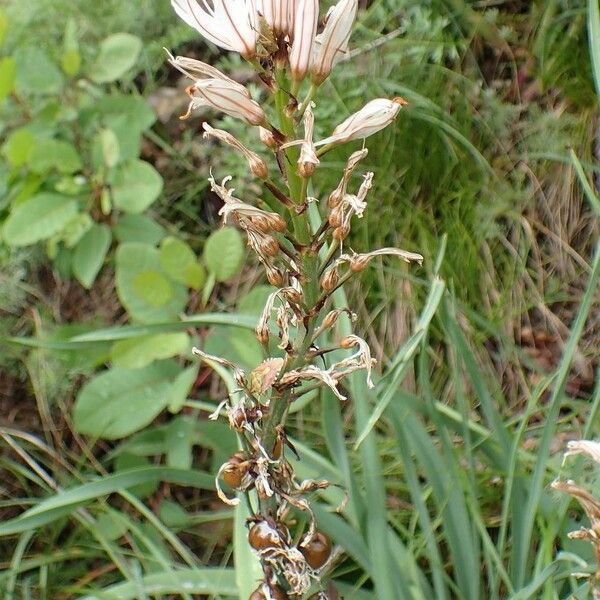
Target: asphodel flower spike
(230, 24)
(229, 97)
(304, 32)
(256, 164)
(371, 118)
(333, 41)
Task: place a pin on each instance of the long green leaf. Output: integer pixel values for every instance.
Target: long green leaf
(180, 581)
(66, 502)
(585, 184)
(594, 40)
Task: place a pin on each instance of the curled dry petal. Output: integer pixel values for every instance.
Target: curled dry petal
(360, 261)
(196, 69)
(586, 447)
(220, 492)
(333, 41)
(336, 196)
(304, 32)
(230, 24)
(361, 359)
(312, 372)
(211, 360)
(227, 96)
(256, 164)
(371, 118)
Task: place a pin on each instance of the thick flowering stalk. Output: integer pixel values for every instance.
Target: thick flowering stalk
(304, 263)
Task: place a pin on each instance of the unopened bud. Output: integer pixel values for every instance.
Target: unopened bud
(329, 280)
(306, 169)
(294, 296)
(274, 277)
(335, 198)
(258, 168)
(330, 319)
(341, 233)
(267, 138)
(268, 245)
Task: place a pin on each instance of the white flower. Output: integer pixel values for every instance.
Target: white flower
(304, 32)
(230, 24)
(227, 96)
(334, 39)
(371, 118)
(279, 15)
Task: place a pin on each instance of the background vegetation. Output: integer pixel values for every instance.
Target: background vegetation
(488, 354)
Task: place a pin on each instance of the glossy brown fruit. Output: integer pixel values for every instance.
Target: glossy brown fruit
(235, 471)
(317, 550)
(262, 536)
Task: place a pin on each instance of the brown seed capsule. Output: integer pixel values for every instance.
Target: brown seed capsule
(269, 245)
(359, 263)
(317, 550)
(235, 471)
(274, 590)
(261, 224)
(334, 199)
(329, 280)
(341, 233)
(335, 217)
(306, 169)
(277, 449)
(277, 223)
(274, 277)
(258, 168)
(262, 535)
(330, 318)
(347, 343)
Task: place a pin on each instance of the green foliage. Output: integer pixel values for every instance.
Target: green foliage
(224, 253)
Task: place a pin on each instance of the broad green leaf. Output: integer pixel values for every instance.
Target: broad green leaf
(142, 287)
(224, 253)
(254, 301)
(36, 73)
(237, 345)
(138, 228)
(181, 388)
(127, 462)
(90, 253)
(118, 53)
(38, 218)
(136, 353)
(118, 402)
(75, 229)
(179, 262)
(135, 186)
(134, 110)
(71, 57)
(8, 73)
(18, 147)
(49, 154)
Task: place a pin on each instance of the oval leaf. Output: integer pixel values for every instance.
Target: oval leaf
(118, 53)
(179, 262)
(136, 186)
(38, 218)
(89, 254)
(136, 353)
(118, 402)
(224, 253)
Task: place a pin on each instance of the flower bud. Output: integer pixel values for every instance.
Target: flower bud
(267, 138)
(334, 39)
(227, 96)
(261, 224)
(348, 342)
(329, 280)
(371, 118)
(330, 319)
(305, 29)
